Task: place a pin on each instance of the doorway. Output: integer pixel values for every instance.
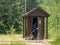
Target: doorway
(34, 28)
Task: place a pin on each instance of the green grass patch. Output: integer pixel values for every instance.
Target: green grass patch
(13, 38)
(9, 37)
(57, 40)
(15, 43)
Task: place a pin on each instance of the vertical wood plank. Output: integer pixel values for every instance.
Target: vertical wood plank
(41, 27)
(47, 28)
(23, 27)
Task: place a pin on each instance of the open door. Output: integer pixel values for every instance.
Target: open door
(34, 28)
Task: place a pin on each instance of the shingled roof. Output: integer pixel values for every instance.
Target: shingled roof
(37, 12)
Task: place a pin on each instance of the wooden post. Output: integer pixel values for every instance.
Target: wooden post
(42, 28)
(47, 28)
(23, 27)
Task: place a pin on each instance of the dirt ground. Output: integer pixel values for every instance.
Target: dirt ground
(37, 42)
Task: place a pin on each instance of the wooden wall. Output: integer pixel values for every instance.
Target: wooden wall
(40, 28)
(28, 26)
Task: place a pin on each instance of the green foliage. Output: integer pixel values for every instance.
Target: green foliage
(11, 16)
(30, 5)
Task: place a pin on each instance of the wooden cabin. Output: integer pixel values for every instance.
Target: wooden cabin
(39, 16)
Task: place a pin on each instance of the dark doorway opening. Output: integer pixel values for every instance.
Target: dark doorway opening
(34, 27)
(35, 21)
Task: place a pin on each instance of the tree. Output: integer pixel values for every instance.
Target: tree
(11, 16)
(30, 4)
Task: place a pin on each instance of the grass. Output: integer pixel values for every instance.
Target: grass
(11, 39)
(16, 43)
(57, 40)
(8, 37)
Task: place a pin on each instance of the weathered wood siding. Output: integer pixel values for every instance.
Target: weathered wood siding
(40, 28)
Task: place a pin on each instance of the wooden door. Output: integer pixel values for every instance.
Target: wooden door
(40, 28)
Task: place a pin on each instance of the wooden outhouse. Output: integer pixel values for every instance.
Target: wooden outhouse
(39, 16)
